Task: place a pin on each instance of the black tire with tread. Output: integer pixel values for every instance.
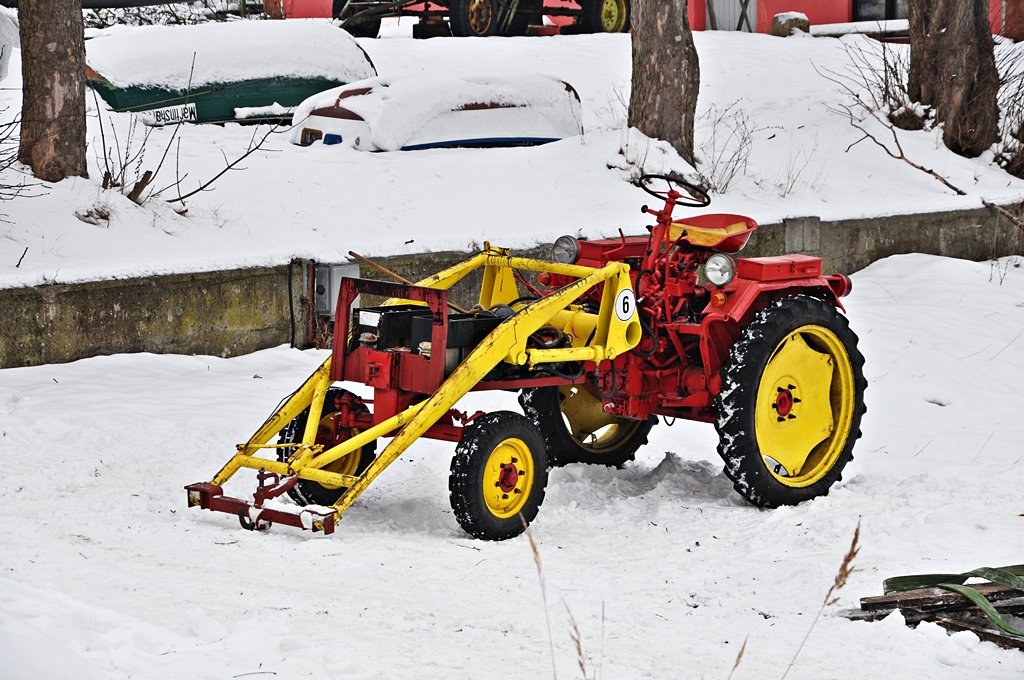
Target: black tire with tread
(590, 16)
(542, 406)
(465, 482)
(459, 19)
(306, 492)
(742, 372)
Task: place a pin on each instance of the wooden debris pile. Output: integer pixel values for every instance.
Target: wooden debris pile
(993, 610)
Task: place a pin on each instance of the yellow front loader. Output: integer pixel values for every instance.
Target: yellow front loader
(421, 358)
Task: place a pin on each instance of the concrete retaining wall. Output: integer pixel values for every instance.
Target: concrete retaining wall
(234, 312)
(224, 313)
(847, 246)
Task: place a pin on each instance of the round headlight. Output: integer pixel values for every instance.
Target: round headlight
(720, 269)
(565, 250)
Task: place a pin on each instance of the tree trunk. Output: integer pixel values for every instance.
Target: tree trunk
(953, 69)
(53, 75)
(666, 74)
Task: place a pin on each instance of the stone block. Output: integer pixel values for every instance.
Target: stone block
(783, 25)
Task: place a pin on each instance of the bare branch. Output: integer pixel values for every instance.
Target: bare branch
(177, 127)
(252, 148)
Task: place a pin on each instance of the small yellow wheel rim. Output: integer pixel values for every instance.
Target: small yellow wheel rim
(613, 16)
(805, 404)
(508, 478)
(481, 14)
(593, 429)
(330, 433)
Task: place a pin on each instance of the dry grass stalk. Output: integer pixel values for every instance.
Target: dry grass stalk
(543, 593)
(845, 569)
(739, 657)
(577, 640)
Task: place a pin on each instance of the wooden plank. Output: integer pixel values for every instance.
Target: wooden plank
(935, 599)
(913, 615)
(983, 628)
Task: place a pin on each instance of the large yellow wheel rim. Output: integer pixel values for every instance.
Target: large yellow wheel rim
(508, 478)
(805, 404)
(481, 16)
(329, 434)
(613, 16)
(588, 424)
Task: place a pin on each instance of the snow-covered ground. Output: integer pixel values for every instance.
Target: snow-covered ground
(661, 568)
(321, 202)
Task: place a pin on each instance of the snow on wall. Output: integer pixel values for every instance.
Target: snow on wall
(238, 50)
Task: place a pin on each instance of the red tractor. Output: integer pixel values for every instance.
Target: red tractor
(610, 335)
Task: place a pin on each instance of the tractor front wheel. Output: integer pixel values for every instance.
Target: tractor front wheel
(791, 402)
(577, 430)
(498, 476)
(328, 434)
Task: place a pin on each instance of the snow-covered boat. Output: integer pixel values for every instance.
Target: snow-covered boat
(216, 72)
(422, 112)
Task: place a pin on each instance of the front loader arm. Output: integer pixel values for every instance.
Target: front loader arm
(617, 331)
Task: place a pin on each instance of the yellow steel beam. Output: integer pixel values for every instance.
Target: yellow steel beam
(498, 286)
(444, 279)
(316, 408)
(507, 340)
(365, 437)
(288, 411)
(532, 265)
(310, 473)
(549, 356)
(595, 338)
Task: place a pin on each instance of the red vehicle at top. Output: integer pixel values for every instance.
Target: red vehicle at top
(516, 17)
(465, 17)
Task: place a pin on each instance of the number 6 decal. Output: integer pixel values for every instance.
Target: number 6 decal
(625, 305)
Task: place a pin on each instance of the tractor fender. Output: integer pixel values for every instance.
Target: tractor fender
(721, 324)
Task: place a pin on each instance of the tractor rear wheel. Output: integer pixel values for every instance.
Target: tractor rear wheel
(576, 428)
(791, 402)
(330, 433)
(498, 476)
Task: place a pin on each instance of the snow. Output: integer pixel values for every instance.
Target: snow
(162, 56)
(783, 17)
(274, 109)
(854, 27)
(9, 39)
(320, 202)
(414, 109)
(662, 567)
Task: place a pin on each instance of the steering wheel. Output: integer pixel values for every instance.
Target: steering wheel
(692, 195)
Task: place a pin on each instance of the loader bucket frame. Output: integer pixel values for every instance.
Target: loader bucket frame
(616, 329)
